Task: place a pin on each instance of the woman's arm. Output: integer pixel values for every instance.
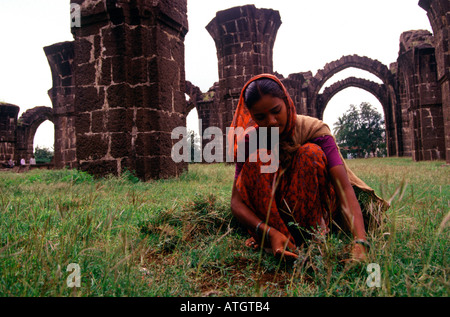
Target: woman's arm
(247, 217)
(350, 208)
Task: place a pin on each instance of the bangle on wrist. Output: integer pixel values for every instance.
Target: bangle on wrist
(267, 233)
(257, 226)
(363, 242)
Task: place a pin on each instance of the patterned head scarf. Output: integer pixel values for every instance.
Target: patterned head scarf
(242, 117)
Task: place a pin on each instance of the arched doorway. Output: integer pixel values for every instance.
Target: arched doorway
(380, 84)
(44, 139)
(341, 101)
(27, 126)
(192, 121)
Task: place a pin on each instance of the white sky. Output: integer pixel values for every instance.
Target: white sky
(312, 34)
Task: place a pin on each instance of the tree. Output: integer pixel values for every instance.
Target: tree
(361, 132)
(43, 155)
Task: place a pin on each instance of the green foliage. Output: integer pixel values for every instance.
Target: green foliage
(63, 176)
(43, 155)
(361, 132)
(208, 96)
(130, 176)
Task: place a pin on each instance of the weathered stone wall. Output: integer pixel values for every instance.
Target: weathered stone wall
(62, 94)
(129, 86)
(438, 12)
(119, 87)
(428, 135)
(414, 104)
(244, 38)
(403, 122)
(207, 113)
(17, 134)
(420, 97)
(239, 60)
(294, 86)
(8, 123)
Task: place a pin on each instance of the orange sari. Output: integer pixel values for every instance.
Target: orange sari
(300, 198)
(304, 197)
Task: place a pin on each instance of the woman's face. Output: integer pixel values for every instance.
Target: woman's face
(270, 112)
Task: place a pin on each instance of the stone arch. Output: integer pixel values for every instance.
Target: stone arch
(361, 62)
(195, 95)
(205, 103)
(27, 126)
(372, 66)
(379, 91)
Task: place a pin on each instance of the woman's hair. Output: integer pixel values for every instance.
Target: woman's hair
(253, 93)
(261, 87)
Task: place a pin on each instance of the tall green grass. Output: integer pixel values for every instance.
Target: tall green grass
(177, 237)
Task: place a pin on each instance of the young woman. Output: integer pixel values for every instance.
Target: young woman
(312, 186)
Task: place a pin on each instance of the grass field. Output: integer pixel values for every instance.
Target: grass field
(178, 238)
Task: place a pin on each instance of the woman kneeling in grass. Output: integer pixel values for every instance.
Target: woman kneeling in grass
(311, 189)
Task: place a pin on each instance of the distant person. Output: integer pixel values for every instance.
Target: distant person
(32, 161)
(22, 162)
(10, 163)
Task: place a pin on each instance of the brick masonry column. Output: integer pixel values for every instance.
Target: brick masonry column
(8, 123)
(130, 84)
(294, 85)
(420, 97)
(438, 12)
(244, 38)
(60, 58)
(428, 125)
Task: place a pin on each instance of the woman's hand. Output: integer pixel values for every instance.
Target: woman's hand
(350, 210)
(280, 243)
(359, 253)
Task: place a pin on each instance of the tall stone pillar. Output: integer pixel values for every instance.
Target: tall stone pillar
(420, 95)
(438, 12)
(60, 58)
(8, 123)
(428, 125)
(395, 143)
(129, 85)
(244, 38)
(402, 121)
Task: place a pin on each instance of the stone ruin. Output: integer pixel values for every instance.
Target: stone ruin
(119, 88)
(413, 93)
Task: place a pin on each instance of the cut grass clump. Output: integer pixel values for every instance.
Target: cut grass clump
(203, 216)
